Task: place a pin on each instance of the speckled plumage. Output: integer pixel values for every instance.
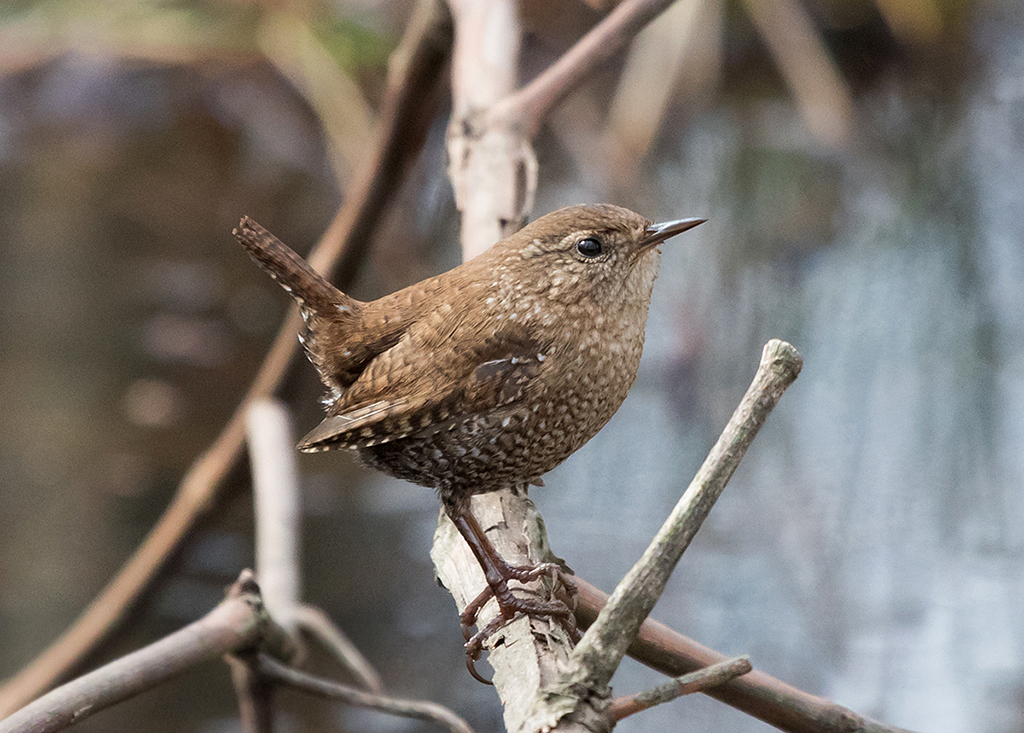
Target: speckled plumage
(492, 373)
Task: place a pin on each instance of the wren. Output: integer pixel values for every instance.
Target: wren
(486, 376)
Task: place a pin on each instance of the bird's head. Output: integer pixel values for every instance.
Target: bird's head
(596, 252)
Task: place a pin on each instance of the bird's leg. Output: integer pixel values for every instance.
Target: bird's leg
(497, 573)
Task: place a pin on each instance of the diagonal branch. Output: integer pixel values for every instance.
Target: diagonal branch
(599, 652)
(238, 622)
(700, 681)
(531, 105)
(757, 694)
(576, 697)
(274, 671)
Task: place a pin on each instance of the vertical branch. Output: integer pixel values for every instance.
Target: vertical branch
(254, 692)
(276, 508)
(494, 174)
(491, 164)
(527, 654)
(276, 500)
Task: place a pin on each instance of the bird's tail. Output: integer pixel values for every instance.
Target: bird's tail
(302, 282)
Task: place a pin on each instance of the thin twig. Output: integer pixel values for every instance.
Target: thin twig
(757, 694)
(418, 709)
(698, 681)
(318, 624)
(599, 652)
(238, 622)
(413, 73)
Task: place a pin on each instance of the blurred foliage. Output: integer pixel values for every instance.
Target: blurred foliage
(353, 45)
(166, 31)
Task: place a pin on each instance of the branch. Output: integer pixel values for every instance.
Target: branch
(530, 106)
(314, 622)
(493, 170)
(408, 106)
(599, 652)
(578, 695)
(274, 671)
(757, 694)
(276, 507)
(699, 681)
(254, 692)
(238, 622)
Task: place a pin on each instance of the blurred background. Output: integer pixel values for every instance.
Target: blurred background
(862, 166)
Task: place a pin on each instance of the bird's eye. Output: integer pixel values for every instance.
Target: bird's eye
(589, 247)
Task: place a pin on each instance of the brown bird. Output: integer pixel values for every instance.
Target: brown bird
(486, 376)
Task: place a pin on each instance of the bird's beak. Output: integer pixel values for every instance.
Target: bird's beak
(655, 234)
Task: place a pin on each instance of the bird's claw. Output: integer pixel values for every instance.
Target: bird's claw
(511, 606)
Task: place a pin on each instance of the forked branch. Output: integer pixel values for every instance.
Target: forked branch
(239, 627)
(239, 622)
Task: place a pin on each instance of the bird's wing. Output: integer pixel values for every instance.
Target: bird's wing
(438, 373)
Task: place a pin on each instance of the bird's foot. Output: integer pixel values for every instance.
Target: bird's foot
(561, 608)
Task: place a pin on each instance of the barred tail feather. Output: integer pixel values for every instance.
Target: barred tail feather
(292, 273)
